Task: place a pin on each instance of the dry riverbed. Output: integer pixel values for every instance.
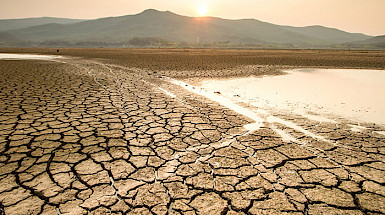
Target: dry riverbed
(97, 133)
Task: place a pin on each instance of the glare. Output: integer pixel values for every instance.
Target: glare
(202, 10)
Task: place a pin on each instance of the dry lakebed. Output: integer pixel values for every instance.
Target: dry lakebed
(192, 131)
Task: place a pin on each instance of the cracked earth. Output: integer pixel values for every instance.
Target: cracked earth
(81, 137)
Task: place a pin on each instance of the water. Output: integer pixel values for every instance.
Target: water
(259, 116)
(352, 94)
(5, 56)
(258, 121)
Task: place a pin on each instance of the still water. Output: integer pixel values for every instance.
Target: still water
(349, 93)
(5, 56)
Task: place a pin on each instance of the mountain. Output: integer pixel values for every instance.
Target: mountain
(6, 37)
(169, 28)
(372, 43)
(375, 40)
(328, 35)
(11, 24)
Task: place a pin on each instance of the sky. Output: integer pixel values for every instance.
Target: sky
(356, 16)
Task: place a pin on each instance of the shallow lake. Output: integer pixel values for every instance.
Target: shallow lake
(6, 56)
(349, 93)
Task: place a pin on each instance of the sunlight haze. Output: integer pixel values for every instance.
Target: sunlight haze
(202, 10)
(361, 16)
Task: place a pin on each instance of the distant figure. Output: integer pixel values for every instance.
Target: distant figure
(57, 50)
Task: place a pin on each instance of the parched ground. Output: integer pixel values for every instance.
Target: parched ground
(79, 136)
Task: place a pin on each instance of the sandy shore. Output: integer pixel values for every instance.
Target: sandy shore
(90, 135)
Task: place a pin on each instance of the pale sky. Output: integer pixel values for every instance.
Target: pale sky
(357, 16)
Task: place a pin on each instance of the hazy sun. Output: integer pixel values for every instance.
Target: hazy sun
(202, 10)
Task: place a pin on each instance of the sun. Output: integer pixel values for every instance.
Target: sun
(202, 10)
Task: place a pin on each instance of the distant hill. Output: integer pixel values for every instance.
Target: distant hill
(328, 35)
(375, 40)
(372, 43)
(11, 24)
(162, 28)
(6, 37)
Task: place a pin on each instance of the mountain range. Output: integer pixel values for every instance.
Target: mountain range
(164, 28)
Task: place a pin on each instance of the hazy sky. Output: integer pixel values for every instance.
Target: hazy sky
(363, 16)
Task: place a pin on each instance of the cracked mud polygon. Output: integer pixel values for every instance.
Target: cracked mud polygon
(82, 136)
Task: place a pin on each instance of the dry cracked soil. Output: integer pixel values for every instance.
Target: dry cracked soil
(81, 137)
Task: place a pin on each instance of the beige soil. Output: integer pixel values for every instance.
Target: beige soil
(98, 134)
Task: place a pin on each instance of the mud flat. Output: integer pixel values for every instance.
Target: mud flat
(99, 135)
